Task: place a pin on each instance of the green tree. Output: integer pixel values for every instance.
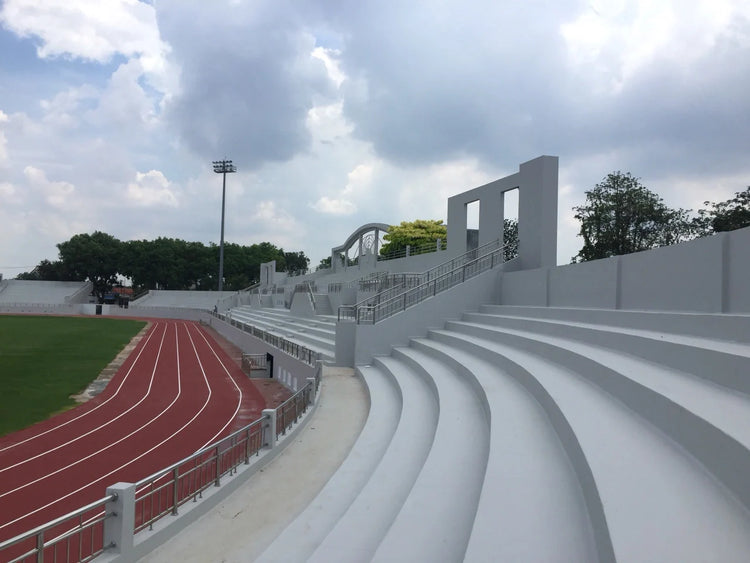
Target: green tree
(415, 234)
(621, 216)
(163, 263)
(510, 239)
(325, 263)
(296, 262)
(93, 257)
(727, 215)
(426, 232)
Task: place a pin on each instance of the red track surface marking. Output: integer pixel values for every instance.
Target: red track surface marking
(177, 392)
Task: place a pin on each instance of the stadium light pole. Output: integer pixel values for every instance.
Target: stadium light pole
(223, 167)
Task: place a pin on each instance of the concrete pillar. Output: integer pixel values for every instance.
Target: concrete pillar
(269, 427)
(537, 213)
(119, 527)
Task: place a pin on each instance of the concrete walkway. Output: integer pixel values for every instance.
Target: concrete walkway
(240, 528)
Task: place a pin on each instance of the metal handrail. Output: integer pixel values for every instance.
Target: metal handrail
(209, 465)
(185, 480)
(171, 487)
(371, 314)
(298, 351)
(306, 287)
(288, 412)
(254, 361)
(414, 250)
(352, 311)
(41, 544)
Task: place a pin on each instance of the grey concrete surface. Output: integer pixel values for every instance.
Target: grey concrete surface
(241, 527)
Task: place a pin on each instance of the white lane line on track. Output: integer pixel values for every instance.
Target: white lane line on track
(148, 392)
(203, 371)
(239, 400)
(230, 420)
(81, 460)
(100, 405)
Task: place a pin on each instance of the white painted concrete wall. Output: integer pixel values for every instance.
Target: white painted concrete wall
(291, 372)
(710, 275)
(379, 339)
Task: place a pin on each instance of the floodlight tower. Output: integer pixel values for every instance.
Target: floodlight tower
(223, 167)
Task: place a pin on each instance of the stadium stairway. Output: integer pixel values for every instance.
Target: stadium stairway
(544, 434)
(317, 333)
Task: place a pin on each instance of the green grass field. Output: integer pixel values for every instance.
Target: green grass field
(44, 360)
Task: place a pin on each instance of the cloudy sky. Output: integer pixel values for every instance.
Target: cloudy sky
(340, 113)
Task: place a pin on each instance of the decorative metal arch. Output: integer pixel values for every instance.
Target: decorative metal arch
(360, 238)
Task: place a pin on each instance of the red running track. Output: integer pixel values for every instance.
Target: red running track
(177, 392)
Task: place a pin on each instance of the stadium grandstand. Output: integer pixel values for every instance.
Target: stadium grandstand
(470, 408)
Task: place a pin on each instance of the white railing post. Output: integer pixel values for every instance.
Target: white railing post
(311, 383)
(269, 425)
(119, 525)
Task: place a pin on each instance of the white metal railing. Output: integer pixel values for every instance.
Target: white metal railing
(252, 362)
(76, 536)
(363, 309)
(166, 490)
(298, 351)
(79, 535)
(306, 287)
(414, 250)
(435, 281)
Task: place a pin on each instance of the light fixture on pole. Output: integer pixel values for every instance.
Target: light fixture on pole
(223, 167)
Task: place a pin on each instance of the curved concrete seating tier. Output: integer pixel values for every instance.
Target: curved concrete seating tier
(42, 292)
(188, 299)
(543, 434)
(316, 333)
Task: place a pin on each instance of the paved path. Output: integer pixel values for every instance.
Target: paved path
(240, 528)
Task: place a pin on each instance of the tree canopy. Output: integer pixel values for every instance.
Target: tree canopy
(415, 234)
(621, 216)
(163, 263)
(93, 257)
(422, 233)
(727, 215)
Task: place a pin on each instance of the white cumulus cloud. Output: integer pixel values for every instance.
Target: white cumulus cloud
(56, 194)
(151, 189)
(334, 206)
(84, 29)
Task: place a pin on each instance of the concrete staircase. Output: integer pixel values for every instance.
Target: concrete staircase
(543, 434)
(316, 333)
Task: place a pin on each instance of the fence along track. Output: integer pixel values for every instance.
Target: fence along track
(79, 535)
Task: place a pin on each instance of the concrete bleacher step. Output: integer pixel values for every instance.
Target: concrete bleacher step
(530, 488)
(360, 530)
(561, 435)
(435, 522)
(323, 304)
(649, 484)
(295, 329)
(723, 327)
(717, 360)
(324, 327)
(704, 396)
(324, 321)
(307, 531)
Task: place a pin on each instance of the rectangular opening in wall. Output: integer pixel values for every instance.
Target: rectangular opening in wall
(510, 223)
(472, 225)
